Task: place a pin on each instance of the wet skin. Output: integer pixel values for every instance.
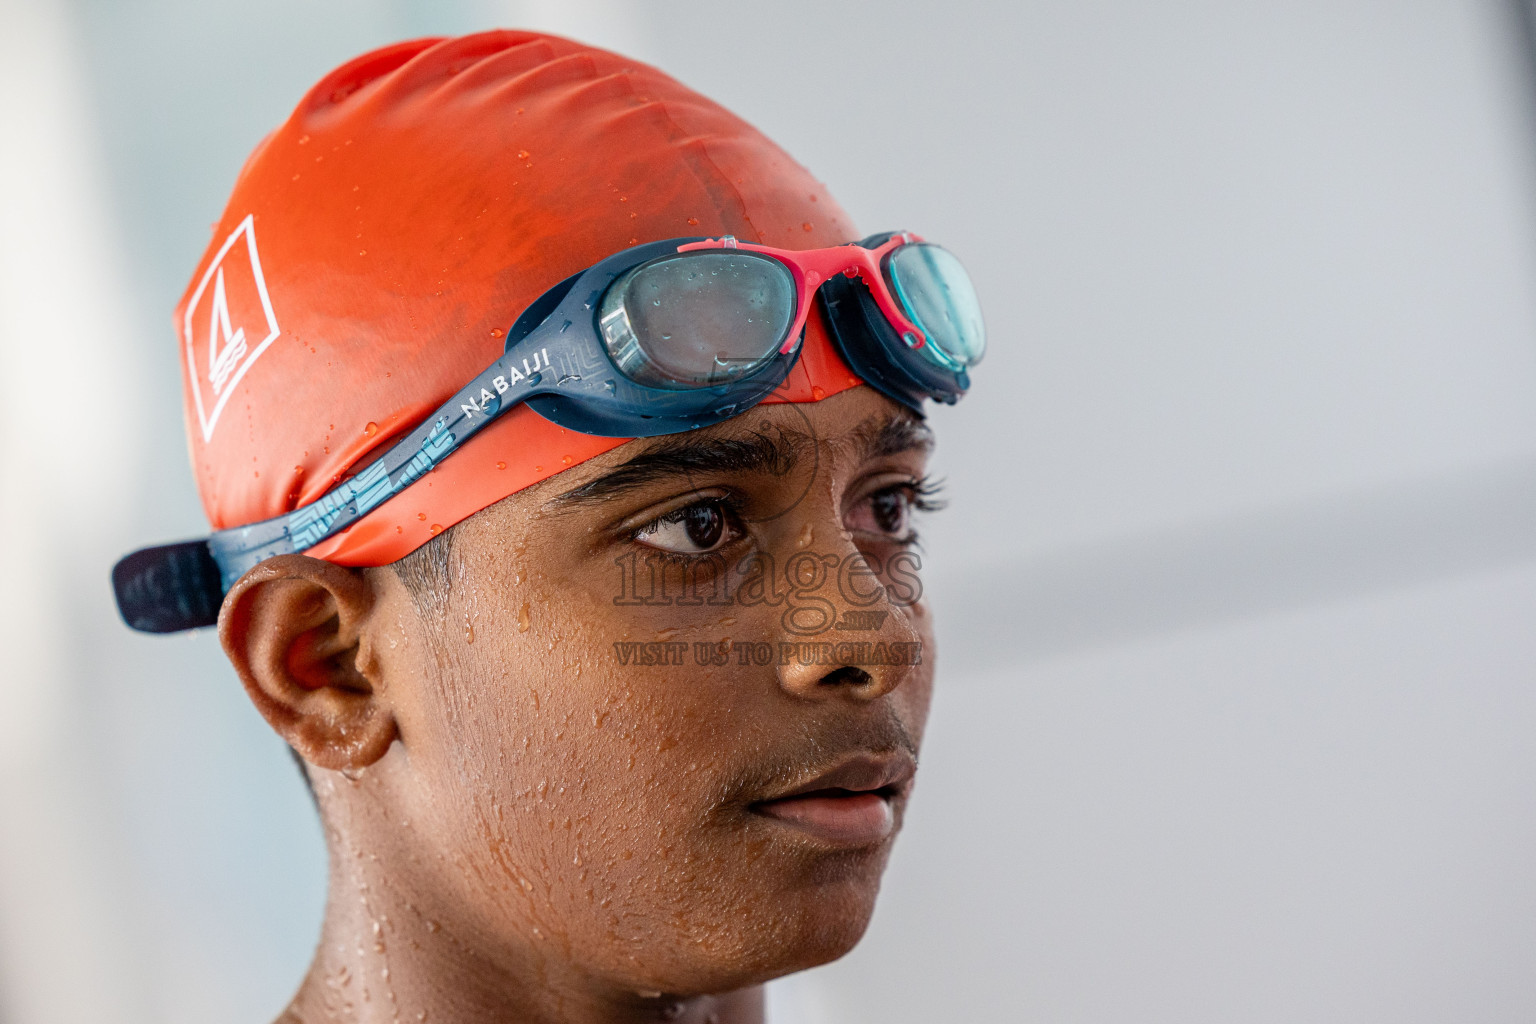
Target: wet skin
(524, 828)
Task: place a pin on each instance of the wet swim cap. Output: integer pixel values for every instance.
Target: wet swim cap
(379, 243)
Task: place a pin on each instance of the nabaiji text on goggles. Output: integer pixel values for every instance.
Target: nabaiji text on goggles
(661, 338)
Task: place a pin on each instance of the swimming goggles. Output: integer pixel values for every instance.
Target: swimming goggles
(661, 338)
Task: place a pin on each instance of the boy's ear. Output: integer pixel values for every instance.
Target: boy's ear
(293, 629)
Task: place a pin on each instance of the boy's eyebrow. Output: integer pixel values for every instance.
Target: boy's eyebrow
(891, 435)
(755, 452)
(685, 454)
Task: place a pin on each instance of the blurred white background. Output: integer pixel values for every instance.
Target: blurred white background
(1237, 717)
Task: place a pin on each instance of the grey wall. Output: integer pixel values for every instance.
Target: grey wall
(1236, 691)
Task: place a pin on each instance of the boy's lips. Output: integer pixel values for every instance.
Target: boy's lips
(850, 804)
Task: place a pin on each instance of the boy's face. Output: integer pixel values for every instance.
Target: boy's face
(604, 751)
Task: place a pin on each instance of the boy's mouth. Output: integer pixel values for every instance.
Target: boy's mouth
(851, 804)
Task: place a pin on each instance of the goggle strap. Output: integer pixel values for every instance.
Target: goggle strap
(169, 588)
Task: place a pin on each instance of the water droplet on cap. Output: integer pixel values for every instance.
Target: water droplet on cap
(371, 429)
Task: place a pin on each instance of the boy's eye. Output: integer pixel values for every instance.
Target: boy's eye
(695, 529)
(888, 512)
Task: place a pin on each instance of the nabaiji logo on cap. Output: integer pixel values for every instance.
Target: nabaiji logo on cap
(228, 324)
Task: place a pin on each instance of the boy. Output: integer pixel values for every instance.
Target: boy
(562, 455)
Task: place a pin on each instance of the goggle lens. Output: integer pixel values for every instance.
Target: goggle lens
(936, 294)
(698, 318)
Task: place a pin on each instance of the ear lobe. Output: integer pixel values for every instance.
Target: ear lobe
(293, 629)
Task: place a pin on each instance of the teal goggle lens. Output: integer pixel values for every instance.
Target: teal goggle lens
(697, 319)
(937, 295)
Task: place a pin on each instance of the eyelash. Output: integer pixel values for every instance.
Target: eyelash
(924, 494)
(922, 497)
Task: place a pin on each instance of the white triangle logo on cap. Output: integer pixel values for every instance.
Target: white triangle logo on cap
(220, 323)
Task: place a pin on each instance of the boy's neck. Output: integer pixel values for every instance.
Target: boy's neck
(384, 956)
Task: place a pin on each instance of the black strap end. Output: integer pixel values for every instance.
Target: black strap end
(169, 588)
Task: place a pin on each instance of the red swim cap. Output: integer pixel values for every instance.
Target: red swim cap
(380, 241)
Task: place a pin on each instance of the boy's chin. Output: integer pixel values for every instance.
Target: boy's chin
(769, 946)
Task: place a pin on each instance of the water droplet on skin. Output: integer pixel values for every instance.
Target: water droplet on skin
(522, 618)
(433, 927)
(371, 429)
(807, 534)
(469, 631)
(817, 393)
